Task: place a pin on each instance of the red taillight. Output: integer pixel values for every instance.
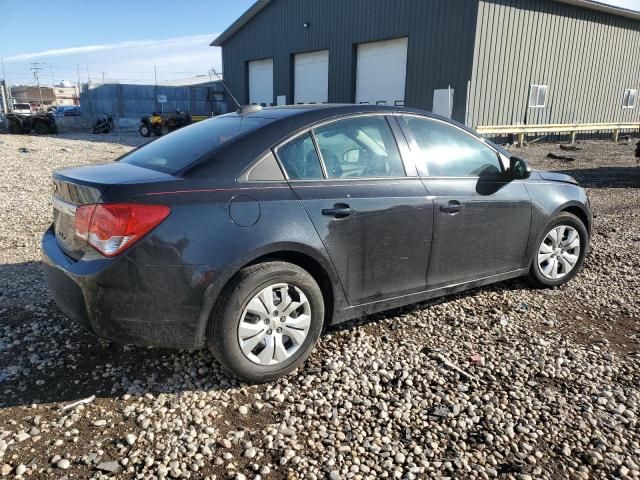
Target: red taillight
(112, 228)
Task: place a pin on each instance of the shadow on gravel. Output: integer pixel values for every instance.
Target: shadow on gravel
(606, 177)
(46, 359)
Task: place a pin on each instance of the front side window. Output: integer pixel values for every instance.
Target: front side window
(538, 96)
(629, 98)
(300, 159)
(359, 147)
(447, 151)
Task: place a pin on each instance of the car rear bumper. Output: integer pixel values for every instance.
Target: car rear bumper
(119, 300)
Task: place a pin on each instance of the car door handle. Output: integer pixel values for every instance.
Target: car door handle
(452, 207)
(339, 210)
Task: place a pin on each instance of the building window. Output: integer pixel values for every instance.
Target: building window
(629, 98)
(538, 96)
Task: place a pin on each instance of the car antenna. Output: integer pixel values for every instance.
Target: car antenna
(225, 87)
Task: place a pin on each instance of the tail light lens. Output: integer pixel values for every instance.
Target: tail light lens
(112, 228)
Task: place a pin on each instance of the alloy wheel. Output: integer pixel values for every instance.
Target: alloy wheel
(559, 252)
(274, 324)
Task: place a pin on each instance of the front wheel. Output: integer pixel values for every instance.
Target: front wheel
(560, 252)
(144, 130)
(267, 321)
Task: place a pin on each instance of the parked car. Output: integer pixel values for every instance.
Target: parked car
(22, 109)
(163, 123)
(72, 111)
(251, 231)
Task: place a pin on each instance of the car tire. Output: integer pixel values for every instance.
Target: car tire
(164, 130)
(542, 269)
(232, 310)
(14, 127)
(41, 128)
(144, 130)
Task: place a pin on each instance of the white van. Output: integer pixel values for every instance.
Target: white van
(23, 108)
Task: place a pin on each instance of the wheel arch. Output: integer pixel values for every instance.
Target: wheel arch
(311, 265)
(319, 268)
(579, 211)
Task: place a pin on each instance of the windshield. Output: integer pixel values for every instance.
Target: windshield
(21, 106)
(183, 147)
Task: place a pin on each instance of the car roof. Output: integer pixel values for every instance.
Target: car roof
(286, 121)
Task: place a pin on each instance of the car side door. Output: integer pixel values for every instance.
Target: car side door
(374, 218)
(482, 216)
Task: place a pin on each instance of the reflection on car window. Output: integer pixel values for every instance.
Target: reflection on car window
(446, 151)
(300, 159)
(183, 147)
(359, 147)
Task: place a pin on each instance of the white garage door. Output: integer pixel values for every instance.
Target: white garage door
(381, 72)
(261, 81)
(311, 77)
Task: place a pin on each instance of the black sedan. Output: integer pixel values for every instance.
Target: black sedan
(252, 231)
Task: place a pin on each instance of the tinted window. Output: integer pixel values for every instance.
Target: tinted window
(183, 147)
(359, 147)
(447, 151)
(300, 160)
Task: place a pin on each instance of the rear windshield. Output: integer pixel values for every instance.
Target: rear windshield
(183, 147)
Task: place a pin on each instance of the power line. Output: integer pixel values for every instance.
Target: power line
(36, 70)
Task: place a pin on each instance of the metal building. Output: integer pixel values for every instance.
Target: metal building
(481, 62)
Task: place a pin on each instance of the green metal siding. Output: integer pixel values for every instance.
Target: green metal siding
(586, 58)
(440, 33)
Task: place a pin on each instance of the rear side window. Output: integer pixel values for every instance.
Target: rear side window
(447, 151)
(300, 159)
(359, 147)
(183, 147)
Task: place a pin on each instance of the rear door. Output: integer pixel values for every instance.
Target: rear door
(374, 219)
(482, 217)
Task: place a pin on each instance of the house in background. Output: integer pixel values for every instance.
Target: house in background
(481, 62)
(36, 97)
(66, 95)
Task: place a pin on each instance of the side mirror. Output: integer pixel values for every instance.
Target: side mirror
(519, 169)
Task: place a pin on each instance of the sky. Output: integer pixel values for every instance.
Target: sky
(120, 40)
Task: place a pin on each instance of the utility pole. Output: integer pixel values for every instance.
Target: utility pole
(78, 84)
(211, 92)
(36, 69)
(103, 78)
(155, 91)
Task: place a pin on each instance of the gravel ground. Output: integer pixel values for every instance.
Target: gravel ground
(499, 382)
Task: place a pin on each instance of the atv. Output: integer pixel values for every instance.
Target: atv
(163, 123)
(40, 123)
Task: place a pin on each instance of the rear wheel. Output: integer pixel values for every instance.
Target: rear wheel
(41, 128)
(144, 130)
(14, 127)
(267, 322)
(164, 131)
(560, 252)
